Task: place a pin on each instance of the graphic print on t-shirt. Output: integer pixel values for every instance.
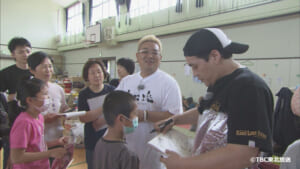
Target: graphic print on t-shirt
(143, 96)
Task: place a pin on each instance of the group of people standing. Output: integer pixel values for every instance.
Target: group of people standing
(237, 103)
(33, 103)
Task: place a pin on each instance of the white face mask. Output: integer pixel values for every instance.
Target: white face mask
(44, 107)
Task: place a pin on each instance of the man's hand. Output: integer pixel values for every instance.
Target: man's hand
(141, 115)
(172, 161)
(166, 128)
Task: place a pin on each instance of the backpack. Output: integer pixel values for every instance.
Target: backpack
(286, 126)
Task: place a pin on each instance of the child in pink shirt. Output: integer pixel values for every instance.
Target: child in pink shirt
(28, 148)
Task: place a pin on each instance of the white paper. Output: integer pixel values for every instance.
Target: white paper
(73, 114)
(174, 140)
(96, 102)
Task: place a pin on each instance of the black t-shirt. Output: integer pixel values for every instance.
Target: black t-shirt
(90, 135)
(248, 101)
(11, 77)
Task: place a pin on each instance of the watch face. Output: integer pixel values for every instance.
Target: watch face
(141, 87)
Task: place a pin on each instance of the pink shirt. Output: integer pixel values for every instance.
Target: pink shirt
(28, 133)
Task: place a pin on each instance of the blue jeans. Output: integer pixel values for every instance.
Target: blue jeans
(89, 156)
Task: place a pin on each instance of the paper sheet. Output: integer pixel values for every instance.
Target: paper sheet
(175, 140)
(73, 114)
(96, 102)
(64, 162)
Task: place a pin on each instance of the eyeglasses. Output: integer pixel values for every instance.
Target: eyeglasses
(146, 52)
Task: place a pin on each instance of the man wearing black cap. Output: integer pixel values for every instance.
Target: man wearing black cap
(236, 121)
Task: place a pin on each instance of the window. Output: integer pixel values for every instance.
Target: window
(141, 7)
(101, 9)
(75, 19)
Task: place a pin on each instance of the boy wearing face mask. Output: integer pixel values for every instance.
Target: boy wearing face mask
(120, 113)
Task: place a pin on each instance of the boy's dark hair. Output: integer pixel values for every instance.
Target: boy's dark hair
(37, 58)
(115, 103)
(88, 64)
(17, 41)
(127, 63)
(30, 88)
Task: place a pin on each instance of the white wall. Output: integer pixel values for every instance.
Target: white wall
(6, 62)
(39, 21)
(271, 38)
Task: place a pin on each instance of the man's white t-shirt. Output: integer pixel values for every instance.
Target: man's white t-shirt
(157, 92)
(54, 130)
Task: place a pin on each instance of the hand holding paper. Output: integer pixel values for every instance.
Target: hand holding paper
(174, 140)
(96, 102)
(172, 160)
(50, 117)
(66, 160)
(73, 114)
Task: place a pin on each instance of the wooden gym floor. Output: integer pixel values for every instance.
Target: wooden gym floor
(78, 159)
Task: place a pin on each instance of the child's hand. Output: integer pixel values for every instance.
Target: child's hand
(57, 152)
(63, 140)
(59, 142)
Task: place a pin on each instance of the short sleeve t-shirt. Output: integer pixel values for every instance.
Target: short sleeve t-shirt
(90, 135)
(248, 102)
(11, 78)
(157, 92)
(114, 154)
(28, 133)
(54, 130)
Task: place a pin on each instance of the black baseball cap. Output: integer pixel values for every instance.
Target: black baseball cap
(207, 39)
